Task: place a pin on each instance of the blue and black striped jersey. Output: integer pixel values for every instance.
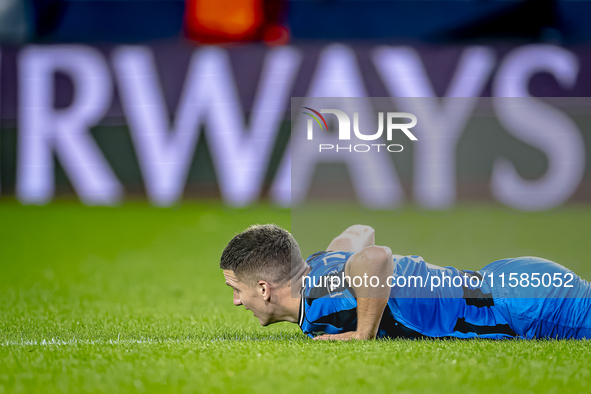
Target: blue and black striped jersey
(414, 310)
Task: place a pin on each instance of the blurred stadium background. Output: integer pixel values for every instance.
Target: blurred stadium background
(137, 136)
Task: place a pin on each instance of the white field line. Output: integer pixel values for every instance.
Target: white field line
(59, 342)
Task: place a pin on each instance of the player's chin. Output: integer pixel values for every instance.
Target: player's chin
(263, 322)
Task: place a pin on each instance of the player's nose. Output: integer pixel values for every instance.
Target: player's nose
(237, 301)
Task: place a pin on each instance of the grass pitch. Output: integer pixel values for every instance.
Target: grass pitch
(132, 299)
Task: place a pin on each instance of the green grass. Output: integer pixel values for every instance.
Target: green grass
(131, 299)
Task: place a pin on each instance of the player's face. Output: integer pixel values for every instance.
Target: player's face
(246, 295)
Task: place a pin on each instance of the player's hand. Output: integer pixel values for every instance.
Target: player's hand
(346, 336)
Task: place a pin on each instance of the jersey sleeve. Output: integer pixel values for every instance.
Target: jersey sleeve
(328, 305)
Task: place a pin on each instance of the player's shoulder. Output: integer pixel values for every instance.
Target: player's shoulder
(328, 259)
(314, 257)
(326, 275)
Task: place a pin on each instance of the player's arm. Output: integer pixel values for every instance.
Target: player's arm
(353, 239)
(371, 301)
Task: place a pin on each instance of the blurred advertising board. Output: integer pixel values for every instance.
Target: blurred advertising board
(169, 121)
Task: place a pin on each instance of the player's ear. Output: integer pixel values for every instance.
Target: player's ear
(264, 289)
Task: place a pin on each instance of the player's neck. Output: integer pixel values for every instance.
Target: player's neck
(291, 298)
(295, 297)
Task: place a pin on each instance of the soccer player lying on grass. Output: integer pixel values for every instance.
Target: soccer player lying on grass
(525, 297)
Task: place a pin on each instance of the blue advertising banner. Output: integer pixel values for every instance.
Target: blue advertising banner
(168, 121)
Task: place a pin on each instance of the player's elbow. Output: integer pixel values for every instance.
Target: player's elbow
(361, 236)
(377, 257)
(379, 254)
(361, 229)
(372, 261)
